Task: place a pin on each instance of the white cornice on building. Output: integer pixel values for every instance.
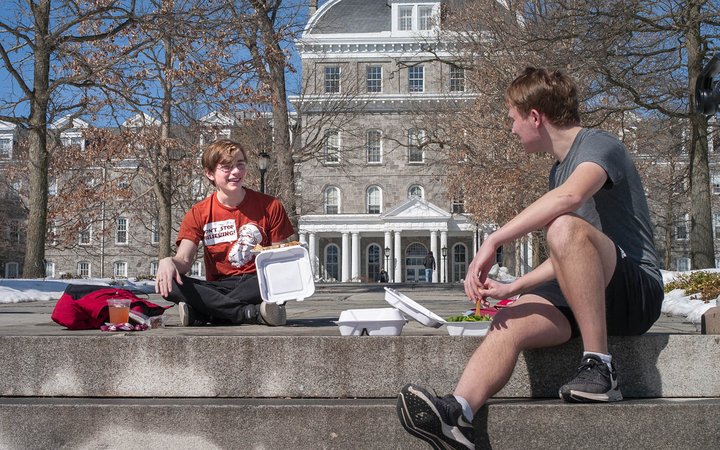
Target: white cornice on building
(63, 123)
(141, 120)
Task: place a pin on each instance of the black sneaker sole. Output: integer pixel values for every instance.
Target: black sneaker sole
(432, 432)
(589, 397)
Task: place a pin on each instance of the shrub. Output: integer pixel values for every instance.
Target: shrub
(706, 284)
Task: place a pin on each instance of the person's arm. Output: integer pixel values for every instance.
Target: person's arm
(173, 266)
(583, 183)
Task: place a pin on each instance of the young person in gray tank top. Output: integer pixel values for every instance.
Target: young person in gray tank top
(602, 276)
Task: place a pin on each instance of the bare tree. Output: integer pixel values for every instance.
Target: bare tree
(42, 48)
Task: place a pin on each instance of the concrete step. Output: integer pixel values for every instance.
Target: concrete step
(41, 423)
(147, 365)
(325, 288)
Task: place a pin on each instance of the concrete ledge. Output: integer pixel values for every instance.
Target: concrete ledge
(346, 424)
(134, 365)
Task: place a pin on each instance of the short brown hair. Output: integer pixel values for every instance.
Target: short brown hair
(221, 151)
(551, 93)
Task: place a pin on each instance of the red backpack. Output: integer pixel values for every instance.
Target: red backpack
(84, 306)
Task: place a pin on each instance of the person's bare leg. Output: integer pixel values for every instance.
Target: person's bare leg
(584, 260)
(531, 322)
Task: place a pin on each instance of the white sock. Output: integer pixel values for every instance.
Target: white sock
(467, 411)
(607, 359)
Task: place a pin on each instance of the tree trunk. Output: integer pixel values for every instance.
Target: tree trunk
(702, 248)
(34, 264)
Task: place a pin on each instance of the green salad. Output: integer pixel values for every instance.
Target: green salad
(471, 318)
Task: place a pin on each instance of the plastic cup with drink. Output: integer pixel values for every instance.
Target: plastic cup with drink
(119, 309)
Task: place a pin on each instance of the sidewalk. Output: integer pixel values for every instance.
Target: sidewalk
(314, 316)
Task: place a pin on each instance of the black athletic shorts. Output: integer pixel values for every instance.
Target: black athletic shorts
(632, 299)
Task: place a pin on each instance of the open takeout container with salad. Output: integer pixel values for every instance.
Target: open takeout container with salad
(390, 321)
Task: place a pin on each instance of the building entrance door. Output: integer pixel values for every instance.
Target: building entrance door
(415, 263)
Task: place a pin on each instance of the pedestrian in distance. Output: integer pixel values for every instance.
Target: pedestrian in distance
(229, 223)
(429, 266)
(601, 278)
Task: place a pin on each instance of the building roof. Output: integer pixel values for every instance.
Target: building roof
(352, 16)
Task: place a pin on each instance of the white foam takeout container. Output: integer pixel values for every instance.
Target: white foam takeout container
(285, 274)
(371, 322)
(430, 319)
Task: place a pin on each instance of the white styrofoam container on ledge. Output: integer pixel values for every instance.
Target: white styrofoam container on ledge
(413, 308)
(468, 328)
(285, 274)
(371, 322)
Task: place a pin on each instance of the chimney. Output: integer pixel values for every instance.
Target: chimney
(312, 7)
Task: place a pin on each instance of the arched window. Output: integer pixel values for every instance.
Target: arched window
(459, 261)
(374, 146)
(332, 200)
(374, 200)
(415, 262)
(332, 262)
(374, 258)
(416, 191)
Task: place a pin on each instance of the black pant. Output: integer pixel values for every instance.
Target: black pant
(230, 300)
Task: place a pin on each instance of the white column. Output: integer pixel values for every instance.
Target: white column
(345, 277)
(389, 259)
(444, 261)
(313, 253)
(436, 254)
(476, 238)
(302, 237)
(355, 256)
(398, 278)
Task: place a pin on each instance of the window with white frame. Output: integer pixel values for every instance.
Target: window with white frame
(458, 204)
(457, 79)
(6, 148)
(332, 147)
(332, 79)
(155, 231)
(405, 18)
(416, 191)
(416, 154)
(15, 232)
(374, 262)
(716, 225)
(425, 21)
(715, 180)
(374, 200)
(374, 149)
(78, 141)
(52, 233)
(154, 268)
(196, 270)
(374, 78)
(120, 269)
(681, 228)
(682, 264)
(332, 262)
(49, 269)
(332, 200)
(12, 269)
(459, 258)
(83, 269)
(53, 188)
(121, 230)
(85, 235)
(416, 78)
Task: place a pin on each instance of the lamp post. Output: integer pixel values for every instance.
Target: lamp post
(387, 258)
(444, 267)
(263, 165)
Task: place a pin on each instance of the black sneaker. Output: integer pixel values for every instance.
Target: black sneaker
(189, 317)
(593, 382)
(437, 421)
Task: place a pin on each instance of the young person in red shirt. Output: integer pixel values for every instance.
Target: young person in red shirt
(229, 223)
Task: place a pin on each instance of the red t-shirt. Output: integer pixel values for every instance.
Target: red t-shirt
(229, 234)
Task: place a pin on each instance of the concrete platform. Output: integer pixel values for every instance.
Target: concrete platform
(347, 424)
(312, 317)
